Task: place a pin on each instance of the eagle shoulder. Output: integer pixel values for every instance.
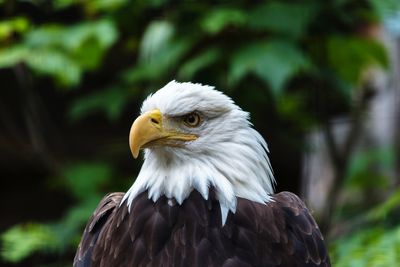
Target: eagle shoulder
(285, 230)
(94, 226)
(302, 226)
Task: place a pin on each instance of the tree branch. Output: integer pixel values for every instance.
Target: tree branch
(340, 157)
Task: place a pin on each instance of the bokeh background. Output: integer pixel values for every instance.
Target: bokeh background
(320, 78)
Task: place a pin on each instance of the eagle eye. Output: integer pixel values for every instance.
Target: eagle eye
(192, 119)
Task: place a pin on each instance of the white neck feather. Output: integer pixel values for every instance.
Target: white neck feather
(238, 167)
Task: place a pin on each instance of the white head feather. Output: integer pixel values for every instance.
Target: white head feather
(228, 155)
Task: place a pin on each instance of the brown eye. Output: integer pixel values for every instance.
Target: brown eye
(192, 119)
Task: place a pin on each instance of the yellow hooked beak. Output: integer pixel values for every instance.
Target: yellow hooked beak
(147, 130)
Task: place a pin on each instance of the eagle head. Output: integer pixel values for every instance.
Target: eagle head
(195, 137)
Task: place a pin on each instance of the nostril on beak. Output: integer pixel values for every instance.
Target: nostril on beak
(155, 117)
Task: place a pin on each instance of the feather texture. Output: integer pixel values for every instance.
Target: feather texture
(279, 233)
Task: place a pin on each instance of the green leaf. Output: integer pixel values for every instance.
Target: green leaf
(273, 62)
(44, 61)
(90, 42)
(103, 32)
(92, 5)
(365, 168)
(84, 179)
(157, 66)
(60, 4)
(52, 62)
(11, 56)
(105, 5)
(139, 73)
(155, 41)
(350, 56)
(383, 209)
(51, 50)
(195, 64)
(21, 241)
(217, 19)
(290, 19)
(14, 25)
(369, 247)
(385, 8)
(45, 36)
(111, 101)
(160, 51)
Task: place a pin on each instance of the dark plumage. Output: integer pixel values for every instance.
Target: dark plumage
(204, 195)
(162, 233)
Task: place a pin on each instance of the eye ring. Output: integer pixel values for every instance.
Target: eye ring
(192, 119)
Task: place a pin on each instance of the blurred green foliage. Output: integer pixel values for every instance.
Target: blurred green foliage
(367, 168)
(372, 237)
(84, 181)
(376, 242)
(16, 24)
(375, 246)
(50, 50)
(279, 52)
(21, 240)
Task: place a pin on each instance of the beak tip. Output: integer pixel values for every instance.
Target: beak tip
(135, 153)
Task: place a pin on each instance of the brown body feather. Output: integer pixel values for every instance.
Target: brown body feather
(163, 233)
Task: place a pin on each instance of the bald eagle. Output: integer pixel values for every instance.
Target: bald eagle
(204, 195)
